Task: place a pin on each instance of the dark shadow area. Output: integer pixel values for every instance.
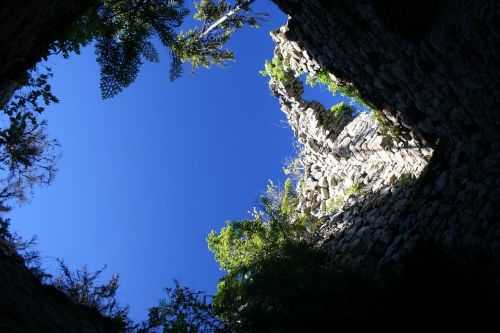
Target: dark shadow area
(433, 291)
(409, 19)
(297, 292)
(27, 305)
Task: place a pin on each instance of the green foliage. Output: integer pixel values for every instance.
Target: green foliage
(342, 109)
(272, 246)
(184, 310)
(322, 77)
(335, 202)
(276, 279)
(276, 68)
(123, 38)
(123, 30)
(203, 46)
(405, 179)
(385, 126)
(354, 189)
(293, 167)
(202, 51)
(242, 243)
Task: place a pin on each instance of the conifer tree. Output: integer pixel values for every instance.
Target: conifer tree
(203, 46)
(123, 31)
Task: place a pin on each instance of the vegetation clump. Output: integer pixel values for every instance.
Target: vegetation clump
(341, 109)
(405, 179)
(354, 189)
(204, 46)
(322, 77)
(82, 288)
(28, 157)
(276, 279)
(124, 30)
(276, 68)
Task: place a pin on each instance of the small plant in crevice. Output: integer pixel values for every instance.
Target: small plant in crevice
(317, 223)
(354, 189)
(386, 127)
(294, 167)
(405, 180)
(342, 109)
(334, 203)
(276, 68)
(323, 77)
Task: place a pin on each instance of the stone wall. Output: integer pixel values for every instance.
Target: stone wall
(434, 73)
(344, 159)
(26, 305)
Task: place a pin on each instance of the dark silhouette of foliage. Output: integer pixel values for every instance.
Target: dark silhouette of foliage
(81, 286)
(35, 95)
(184, 310)
(28, 156)
(123, 31)
(25, 248)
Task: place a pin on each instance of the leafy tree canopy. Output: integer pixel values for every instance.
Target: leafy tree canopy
(276, 279)
(124, 29)
(184, 310)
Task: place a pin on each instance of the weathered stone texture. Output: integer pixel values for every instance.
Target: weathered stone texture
(340, 153)
(441, 85)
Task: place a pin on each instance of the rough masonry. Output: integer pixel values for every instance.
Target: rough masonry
(431, 68)
(341, 153)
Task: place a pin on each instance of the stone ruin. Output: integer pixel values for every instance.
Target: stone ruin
(350, 163)
(339, 152)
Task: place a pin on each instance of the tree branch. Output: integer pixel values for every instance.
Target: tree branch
(224, 18)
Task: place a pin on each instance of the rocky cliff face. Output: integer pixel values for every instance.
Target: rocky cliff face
(431, 70)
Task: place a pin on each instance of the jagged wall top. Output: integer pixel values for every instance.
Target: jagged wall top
(342, 156)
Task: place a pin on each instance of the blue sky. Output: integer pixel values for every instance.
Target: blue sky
(145, 176)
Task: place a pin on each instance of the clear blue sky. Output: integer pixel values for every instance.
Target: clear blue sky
(145, 177)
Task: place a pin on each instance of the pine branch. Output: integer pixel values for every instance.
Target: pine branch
(227, 16)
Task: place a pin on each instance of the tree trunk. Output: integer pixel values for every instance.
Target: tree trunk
(224, 18)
